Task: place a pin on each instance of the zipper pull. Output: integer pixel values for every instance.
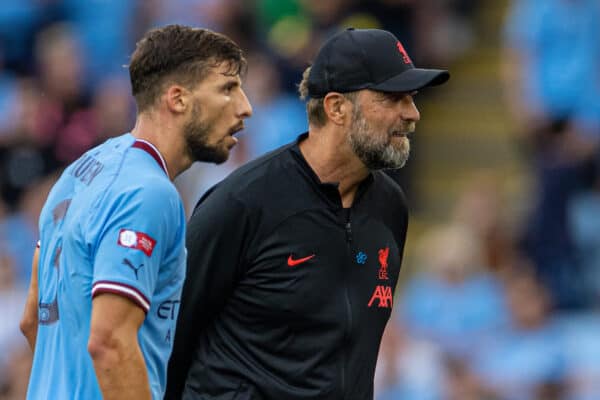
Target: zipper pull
(348, 231)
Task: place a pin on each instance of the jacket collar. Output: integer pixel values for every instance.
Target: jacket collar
(329, 189)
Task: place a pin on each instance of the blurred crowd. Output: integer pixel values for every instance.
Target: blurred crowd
(495, 310)
(477, 321)
(507, 306)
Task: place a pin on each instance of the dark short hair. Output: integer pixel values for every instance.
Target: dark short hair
(178, 54)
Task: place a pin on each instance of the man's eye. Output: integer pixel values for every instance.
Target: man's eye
(229, 88)
(395, 97)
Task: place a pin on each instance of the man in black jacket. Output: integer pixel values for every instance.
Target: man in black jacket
(293, 259)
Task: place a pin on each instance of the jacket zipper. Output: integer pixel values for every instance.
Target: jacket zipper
(348, 228)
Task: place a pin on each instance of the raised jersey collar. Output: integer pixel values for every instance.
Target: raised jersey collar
(153, 151)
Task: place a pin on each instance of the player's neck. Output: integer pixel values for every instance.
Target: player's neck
(331, 158)
(167, 140)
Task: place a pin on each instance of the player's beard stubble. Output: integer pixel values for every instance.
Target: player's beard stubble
(196, 133)
(376, 150)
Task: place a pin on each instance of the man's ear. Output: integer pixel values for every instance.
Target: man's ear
(177, 99)
(337, 108)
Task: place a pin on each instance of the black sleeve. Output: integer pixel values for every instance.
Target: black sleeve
(216, 243)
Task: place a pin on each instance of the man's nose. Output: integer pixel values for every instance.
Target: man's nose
(410, 112)
(245, 108)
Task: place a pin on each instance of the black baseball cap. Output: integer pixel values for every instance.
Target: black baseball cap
(356, 59)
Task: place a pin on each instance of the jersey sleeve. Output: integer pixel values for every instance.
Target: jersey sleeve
(131, 234)
(217, 239)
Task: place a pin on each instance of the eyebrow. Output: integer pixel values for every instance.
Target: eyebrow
(232, 78)
(230, 75)
(390, 95)
(230, 84)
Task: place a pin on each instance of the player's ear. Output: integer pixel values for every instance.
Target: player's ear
(177, 98)
(337, 108)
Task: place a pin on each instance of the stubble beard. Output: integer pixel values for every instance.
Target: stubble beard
(196, 135)
(376, 151)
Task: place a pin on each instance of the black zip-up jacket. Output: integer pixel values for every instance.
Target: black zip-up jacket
(287, 293)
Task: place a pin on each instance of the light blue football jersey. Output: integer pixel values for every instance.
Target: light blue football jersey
(113, 223)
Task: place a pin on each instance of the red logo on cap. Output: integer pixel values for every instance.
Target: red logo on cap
(405, 56)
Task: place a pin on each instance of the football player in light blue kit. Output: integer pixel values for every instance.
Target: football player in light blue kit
(108, 273)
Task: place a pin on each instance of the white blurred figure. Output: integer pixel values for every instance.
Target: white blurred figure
(452, 301)
(408, 367)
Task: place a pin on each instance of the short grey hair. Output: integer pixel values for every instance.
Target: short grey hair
(314, 105)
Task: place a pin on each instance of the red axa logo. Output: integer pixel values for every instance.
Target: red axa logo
(384, 295)
(405, 56)
(383, 257)
(136, 240)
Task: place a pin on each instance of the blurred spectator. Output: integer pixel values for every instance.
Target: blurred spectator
(551, 64)
(327, 14)
(278, 116)
(52, 124)
(19, 22)
(481, 208)
(582, 356)
(453, 298)
(12, 343)
(9, 93)
(21, 158)
(408, 367)
(64, 118)
(461, 383)
(204, 13)
(443, 29)
(14, 380)
(290, 37)
(113, 108)
(18, 237)
(105, 30)
(584, 225)
(524, 360)
(18, 228)
(399, 17)
(551, 58)
(235, 18)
